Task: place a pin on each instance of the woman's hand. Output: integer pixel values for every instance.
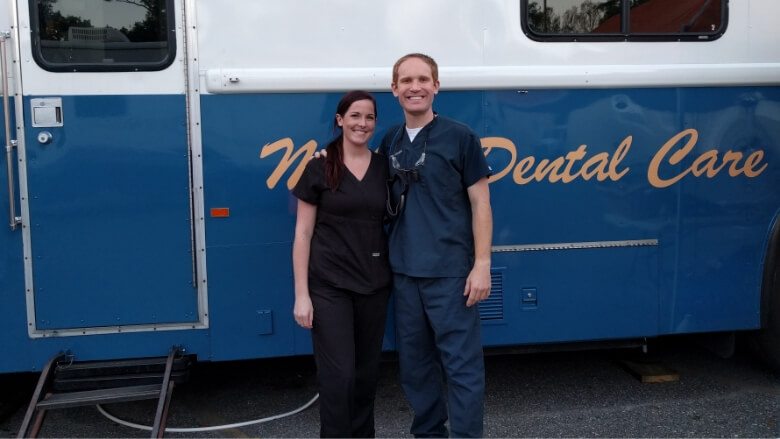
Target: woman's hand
(304, 312)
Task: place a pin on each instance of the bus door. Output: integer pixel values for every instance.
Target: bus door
(105, 172)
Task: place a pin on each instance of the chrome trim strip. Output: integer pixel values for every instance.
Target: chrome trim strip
(494, 77)
(195, 140)
(574, 245)
(13, 220)
(98, 330)
(20, 18)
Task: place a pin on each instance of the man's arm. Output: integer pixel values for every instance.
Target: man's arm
(478, 283)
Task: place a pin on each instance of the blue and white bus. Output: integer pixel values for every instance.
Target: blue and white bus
(151, 146)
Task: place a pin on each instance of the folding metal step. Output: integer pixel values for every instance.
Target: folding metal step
(65, 383)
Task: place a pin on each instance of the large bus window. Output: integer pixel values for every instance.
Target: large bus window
(611, 20)
(103, 35)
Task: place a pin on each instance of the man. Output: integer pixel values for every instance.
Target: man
(439, 247)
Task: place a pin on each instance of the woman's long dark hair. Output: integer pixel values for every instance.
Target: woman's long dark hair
(334, 162)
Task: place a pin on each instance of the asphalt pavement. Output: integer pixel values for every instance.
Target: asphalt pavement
(564, 394)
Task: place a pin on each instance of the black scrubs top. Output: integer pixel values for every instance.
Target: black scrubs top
(349, 246)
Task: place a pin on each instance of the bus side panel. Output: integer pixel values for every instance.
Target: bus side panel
(554, 296)
(581, 294)
(710, 229)
(725, 219)
(246, 141)
(13, 318)
(248, 253)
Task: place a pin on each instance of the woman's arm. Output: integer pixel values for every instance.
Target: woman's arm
(304, 228)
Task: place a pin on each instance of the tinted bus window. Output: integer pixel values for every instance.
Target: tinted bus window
(675, 17)
(610, 20)
(571, 16)
(103, 35)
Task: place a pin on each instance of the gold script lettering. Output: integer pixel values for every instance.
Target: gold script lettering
(560, 169)
(752, 161)
(287, 160)
(521, 169)
(566, 168)
(490, 143)
(707, 163)
(655, 163)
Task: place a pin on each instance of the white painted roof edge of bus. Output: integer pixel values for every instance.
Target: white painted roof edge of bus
(219, 81)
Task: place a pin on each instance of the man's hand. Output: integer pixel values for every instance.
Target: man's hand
(477, 284)
(321, 153)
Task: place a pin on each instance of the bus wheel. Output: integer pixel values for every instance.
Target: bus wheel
(766, 341)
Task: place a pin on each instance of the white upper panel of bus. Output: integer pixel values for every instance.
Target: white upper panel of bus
(477, 43)
(39, 82)
(248, 46)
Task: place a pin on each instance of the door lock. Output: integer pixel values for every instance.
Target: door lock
(44, 137)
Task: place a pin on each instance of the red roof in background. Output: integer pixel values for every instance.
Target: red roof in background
(669, 16)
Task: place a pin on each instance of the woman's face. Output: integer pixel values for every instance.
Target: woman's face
(358, 123)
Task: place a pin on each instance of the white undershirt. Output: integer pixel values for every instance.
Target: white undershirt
(412, 132)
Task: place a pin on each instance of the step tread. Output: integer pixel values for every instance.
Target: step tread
(119, 367)
(105, 396)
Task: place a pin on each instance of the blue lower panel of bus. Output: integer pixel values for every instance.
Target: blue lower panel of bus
(553, 296)
(700, 273)
(698, 269)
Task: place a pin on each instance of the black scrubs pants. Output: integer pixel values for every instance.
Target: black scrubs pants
(347, 336)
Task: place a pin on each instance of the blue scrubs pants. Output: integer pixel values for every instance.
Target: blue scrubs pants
(438, 339)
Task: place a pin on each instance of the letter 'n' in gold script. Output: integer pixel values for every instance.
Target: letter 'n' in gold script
(286, 144)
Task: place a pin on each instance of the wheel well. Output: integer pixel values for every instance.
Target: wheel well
(766, 341)
(768, 280)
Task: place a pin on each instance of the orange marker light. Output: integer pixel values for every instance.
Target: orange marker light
(220, 212)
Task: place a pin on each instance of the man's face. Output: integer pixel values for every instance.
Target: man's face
(415, 87)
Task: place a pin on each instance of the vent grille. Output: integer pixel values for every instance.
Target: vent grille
(493, 307)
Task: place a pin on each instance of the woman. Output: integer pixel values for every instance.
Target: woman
(342, 275)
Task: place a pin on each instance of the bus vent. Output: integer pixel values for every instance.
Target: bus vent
(493, 307)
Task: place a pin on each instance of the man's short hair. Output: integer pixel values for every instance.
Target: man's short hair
(427, 59)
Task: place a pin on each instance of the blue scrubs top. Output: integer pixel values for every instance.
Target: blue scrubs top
(432, 236)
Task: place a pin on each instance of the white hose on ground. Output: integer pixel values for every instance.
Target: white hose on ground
(213, 428)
